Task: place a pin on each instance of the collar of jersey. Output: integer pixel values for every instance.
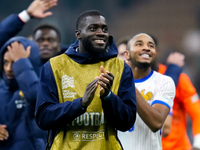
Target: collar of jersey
(145, 78)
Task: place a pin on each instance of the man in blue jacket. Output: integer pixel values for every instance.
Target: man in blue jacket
(11, 25)
(20, 65)
(46, 36)
(82, 102)
(48, 39)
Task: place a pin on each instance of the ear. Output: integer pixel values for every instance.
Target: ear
(78, 34)
(127, 55)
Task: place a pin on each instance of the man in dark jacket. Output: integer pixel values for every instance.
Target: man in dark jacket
(48, 39)
(11, 25)
(46, 36)
(20, 65)
(83, 103)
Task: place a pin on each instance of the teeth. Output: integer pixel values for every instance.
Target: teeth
(145, 55)
(99, 41)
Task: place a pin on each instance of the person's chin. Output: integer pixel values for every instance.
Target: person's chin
(46, 56)
(100, 49)
(10, 77)
(100, 46)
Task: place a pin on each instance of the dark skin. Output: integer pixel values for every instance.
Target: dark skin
(105, 81)
(95, 32)
(48, 43)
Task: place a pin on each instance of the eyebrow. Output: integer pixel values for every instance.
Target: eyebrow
(138, 41)
(151, 43)
(96, 24)
(142, 41)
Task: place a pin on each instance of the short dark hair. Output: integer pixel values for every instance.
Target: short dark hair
(152, 36)
(47, 26)
(83, 16)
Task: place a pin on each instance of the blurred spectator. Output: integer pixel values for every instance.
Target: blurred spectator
(20, 65)
(186, 102)
(121, 46)
(11, 25)
(48, 39)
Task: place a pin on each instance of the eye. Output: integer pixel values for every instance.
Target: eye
(93, 28)
(5, 63)
(138, 44)
(51, 40)
(40, 40)
(151, 46)
(105, 30)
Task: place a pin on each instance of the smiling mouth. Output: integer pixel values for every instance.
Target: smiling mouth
(100, 41)
(145, 55)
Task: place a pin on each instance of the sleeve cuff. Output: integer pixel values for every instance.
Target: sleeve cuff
(24, 16)
(21, 65)
(107, 97)
(196, 143)
(83, 108)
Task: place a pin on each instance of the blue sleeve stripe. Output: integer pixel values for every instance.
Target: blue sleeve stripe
(170, 113)
(130, 130)
(160, 102)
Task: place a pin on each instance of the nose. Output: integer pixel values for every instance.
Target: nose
(45, 42)
(146, 47)
(100, 31)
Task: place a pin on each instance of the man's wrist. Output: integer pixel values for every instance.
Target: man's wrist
(107, 96)
(24, 16)
(83, 106)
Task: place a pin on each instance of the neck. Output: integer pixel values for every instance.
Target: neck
(81, 48)
(139, 73)
(44, 60)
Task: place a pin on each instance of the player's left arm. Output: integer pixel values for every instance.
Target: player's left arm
(155, 114)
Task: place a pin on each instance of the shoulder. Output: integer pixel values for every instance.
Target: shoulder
(185, 85)
(127, 68)
(163, 80)
(58, 57)
(185, 81)
(184, 77)
(116, 60)
(162, 76)
(58, 60)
